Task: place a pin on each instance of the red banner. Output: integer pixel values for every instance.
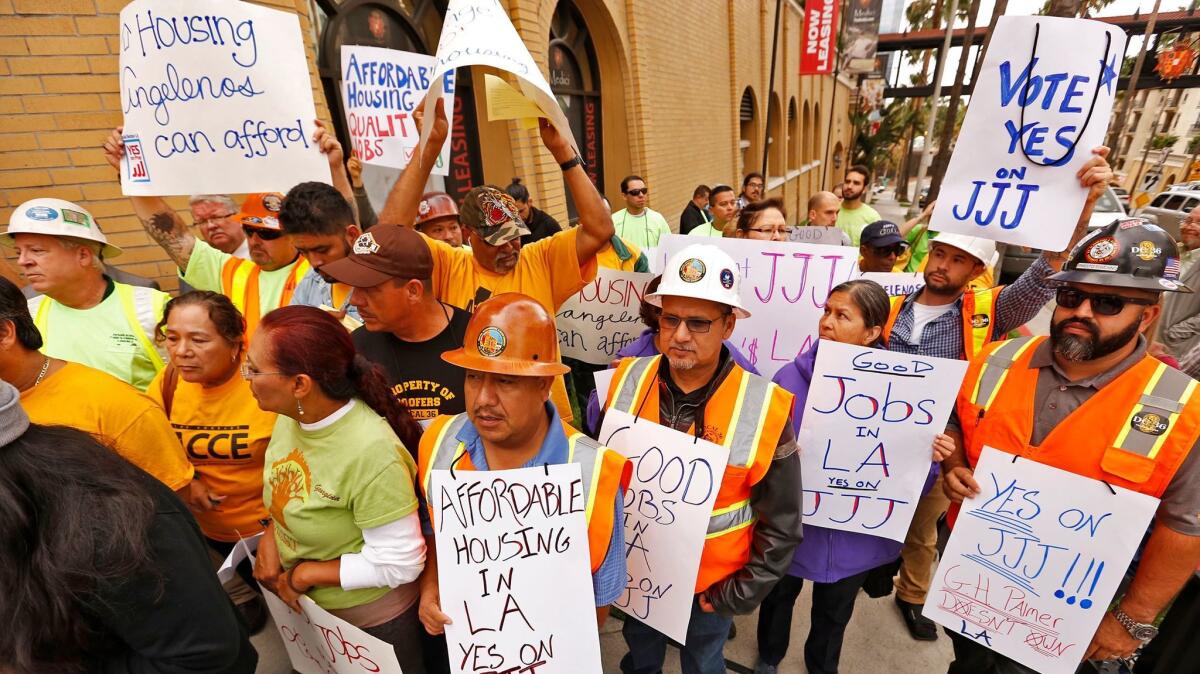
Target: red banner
(820, 37)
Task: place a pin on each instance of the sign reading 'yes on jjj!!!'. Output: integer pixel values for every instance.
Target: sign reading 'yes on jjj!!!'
(380, 90)
(216, 97)
(1042, 104)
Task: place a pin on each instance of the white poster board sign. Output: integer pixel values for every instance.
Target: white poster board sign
(319, 642)
(826, 236)
(530, 608)
(1035, 559)
(1042, 104)
(896, 283)
(604, 316)
(667, 507)
(479, 33)
(380, 90)
(217, 99)
(867, 434)
(784, 286)
(243, 549)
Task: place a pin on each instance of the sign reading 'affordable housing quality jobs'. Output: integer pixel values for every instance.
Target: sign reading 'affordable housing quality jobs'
(217, 99)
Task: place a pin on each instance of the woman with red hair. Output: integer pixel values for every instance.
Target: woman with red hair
(338, 481)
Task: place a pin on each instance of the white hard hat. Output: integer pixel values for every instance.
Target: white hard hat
(56, 217)
(704, 272)
(983, 250)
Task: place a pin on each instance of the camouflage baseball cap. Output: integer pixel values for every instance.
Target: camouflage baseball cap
(492, 214)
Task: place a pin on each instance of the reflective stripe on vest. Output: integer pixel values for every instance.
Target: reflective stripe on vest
(730, 518)
(240, 283)
(631, 382)
(132, 309)
(996, 367)
(975, 337)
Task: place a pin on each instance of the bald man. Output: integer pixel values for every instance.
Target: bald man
(823, 210)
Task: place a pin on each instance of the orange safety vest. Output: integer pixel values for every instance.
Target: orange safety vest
(746, 414)
(604, 471)
(978, 317)
(1133, 433)
(239, 282)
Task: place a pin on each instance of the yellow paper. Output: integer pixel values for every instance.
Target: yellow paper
(505, 102)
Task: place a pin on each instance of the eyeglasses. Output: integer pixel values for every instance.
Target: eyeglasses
(758, 185)
(638, 192)
(697, 325)
(264, 234)
(786, 231)
(250, 373)
(214, 218)
(1102, 304)
(896, 249)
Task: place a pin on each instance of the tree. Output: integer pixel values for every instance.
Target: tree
(1071, 8)
(1163, 140)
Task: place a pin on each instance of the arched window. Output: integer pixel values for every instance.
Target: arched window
(575, 80)
(806, 126)
(793, 136)
(776, 157)
(749, 144)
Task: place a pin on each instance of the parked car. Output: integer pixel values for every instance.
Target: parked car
(1016, 259)
(1122, 196)
(1170, 208)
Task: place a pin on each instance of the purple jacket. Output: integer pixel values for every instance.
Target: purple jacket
(829, 555)
(641, 347)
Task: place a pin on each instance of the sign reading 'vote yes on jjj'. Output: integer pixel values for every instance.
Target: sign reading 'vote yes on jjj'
(600, 319)
(380, 90)
(1041, 105)
(1035, 559)
(867, 435)
(217, 99)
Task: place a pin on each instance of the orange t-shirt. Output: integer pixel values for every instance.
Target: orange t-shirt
(225, 436)
(116, 413)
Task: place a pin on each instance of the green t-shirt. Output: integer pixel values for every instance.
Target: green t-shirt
(643, 230)
(852, 221)
(204, 273)
(707, 229)
(323, 487)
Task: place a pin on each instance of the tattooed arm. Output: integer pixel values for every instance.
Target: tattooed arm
(161, 222)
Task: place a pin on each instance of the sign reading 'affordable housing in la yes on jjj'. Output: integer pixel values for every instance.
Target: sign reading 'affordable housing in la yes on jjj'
(866, 439)
(217, 99)
(1041, 105)
(600, 319)
(1035, 559)
(380, 90)
(514, 570)
(668, 506)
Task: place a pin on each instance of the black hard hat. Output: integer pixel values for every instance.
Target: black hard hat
(1127, 253)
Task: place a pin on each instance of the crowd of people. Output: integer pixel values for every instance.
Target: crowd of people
(322, 358)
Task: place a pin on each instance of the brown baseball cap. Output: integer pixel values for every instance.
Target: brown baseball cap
(384, 252)
(492, 214)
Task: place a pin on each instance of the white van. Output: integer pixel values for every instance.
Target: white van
(1170, 208)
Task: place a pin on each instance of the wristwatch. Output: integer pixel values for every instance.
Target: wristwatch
(1140, 631)
(572, 163)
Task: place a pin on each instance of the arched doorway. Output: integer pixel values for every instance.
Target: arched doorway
(575, 81)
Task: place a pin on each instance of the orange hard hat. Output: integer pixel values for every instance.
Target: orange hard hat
(435, 206)
(261, 211)
(510, 334)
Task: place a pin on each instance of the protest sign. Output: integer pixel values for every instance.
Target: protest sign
(319, 642)
(820, 37)
(243, 549)
(784, 286)
(217, 99)
(380, 90)
(667, 507)
(896, 283)
(826, 236)
(602, 317)
(1042, 103)
(603, 383)
(514, 570)
(1035, 559)
(479, 33)
(867, 434)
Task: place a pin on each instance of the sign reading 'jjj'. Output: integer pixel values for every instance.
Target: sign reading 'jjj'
(1042, 104)
(599, 320)
(216, 97)
(1035, 559)
(867, 435)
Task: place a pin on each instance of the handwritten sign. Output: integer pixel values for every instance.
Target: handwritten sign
(667, 507)
(216, 97)
(826, 236)
(380, 90)
(784, 286)
(867, 435)
(602, 317)
(820, 34)
(319, 642)
(1035, 559)
(514, 570)
(1042, 103)
(896, 283)
(479, 33)
(243, 549)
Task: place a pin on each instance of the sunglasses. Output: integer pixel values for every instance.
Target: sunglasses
(896, 249)
(1102, 304)
(639, 192)
(264, 234)
(699, 326)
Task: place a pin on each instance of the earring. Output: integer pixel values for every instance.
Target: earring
(299, 408)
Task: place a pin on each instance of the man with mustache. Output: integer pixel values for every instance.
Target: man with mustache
(1091, 401)
(944, 320)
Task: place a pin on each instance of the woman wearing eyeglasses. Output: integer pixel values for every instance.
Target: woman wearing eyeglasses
(338, 480)
(223, 432)
(763, 220)
(836, 562)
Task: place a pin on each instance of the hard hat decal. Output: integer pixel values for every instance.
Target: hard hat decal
(692, 270)
(270, 221)
(42, 213)
(365, 244)
(1102, 250)
(1149, 423)
(980, 321)
(1132, 222)
(491, 342)
(1171, 269)
(272, 203)
(251, 220)
(1097, 267)
(423, 207)
(1168, 284)
(726, 279)
(75, 217)
(1146, 250)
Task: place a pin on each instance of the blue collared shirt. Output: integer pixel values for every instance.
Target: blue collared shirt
(608, 582)
(313, 291)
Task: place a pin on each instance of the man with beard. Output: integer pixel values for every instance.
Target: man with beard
(855, 215)
(321, 225)
(1179, 328)
(943, 320)
(1091, 401)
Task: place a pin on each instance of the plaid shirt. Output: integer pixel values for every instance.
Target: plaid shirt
(943, 336)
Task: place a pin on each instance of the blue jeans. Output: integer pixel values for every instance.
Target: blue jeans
(704, 652)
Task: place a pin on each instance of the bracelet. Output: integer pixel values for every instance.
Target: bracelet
(572, 163)
(291, 572)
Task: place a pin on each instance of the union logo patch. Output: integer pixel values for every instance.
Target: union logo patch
(1150, 423)
(692, 270)
(491, 342)
(981, 321)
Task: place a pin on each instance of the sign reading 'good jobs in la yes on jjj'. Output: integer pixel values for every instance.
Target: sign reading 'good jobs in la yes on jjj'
(217, 99)
(1042, 104)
